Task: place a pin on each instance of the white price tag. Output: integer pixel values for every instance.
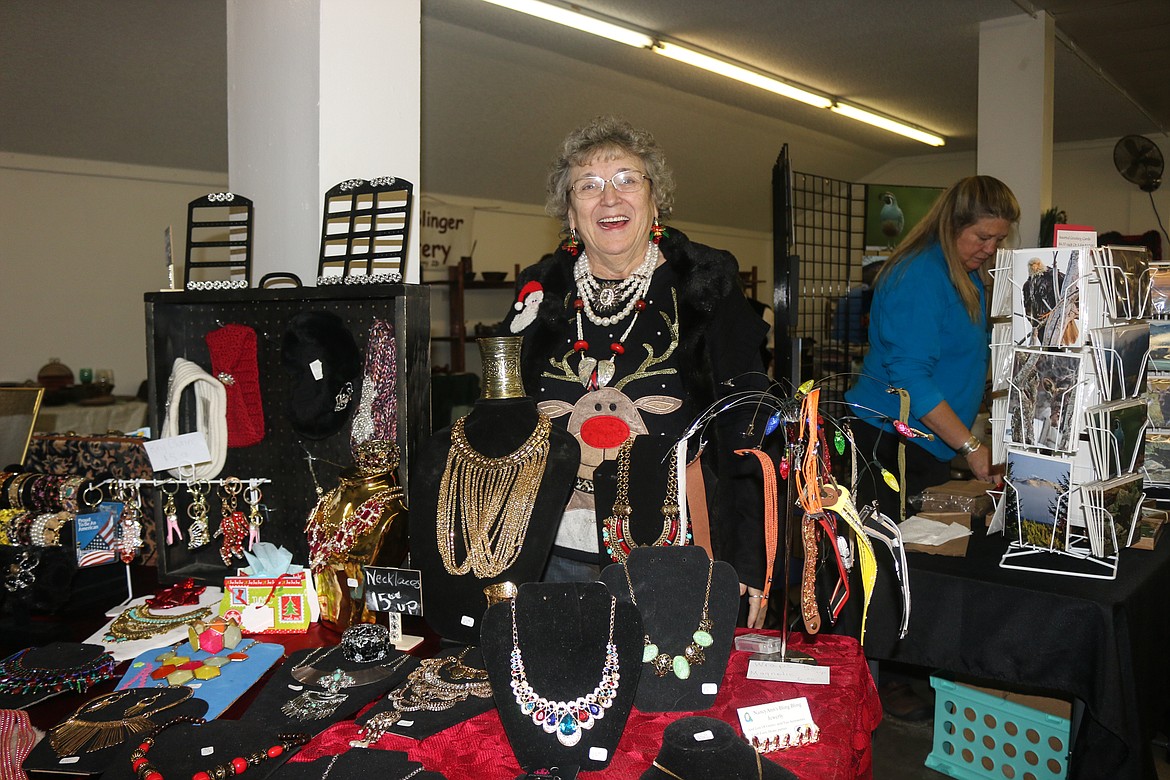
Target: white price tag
(710, 689)
(598, 754)
(704, 736)
(318, 370)
(467, 620)
(171, 452)
(207, 751)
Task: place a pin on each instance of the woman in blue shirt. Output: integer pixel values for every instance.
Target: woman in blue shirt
(928, 335)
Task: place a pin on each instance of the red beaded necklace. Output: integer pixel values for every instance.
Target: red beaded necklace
(144, 770)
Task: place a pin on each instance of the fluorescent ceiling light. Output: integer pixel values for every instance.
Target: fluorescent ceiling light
(861, 115)
(724, 68)
(589, 24)
(561, 14)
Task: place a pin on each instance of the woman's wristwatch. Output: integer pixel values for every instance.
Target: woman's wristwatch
(969, 446)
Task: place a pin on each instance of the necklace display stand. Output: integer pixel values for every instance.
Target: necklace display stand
(39, 673)
(561, 631)
(699, 748)
(432, 717)
(670, 584)
(501, 421)
(103, 716)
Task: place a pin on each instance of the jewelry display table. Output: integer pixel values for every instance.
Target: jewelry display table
(847, 711)
(1100, 641)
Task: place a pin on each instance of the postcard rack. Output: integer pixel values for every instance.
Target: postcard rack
(176, 326)
(1069, 348)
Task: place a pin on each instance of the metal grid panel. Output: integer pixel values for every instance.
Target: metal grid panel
(828, 237)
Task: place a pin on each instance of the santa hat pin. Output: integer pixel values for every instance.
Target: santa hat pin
(525, 291)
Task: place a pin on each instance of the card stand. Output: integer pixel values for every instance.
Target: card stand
(1125, 276)
(1002, 348)
(176, 324)
(364, 228)
(1159, 289)
(999, 426)
(1029, 556)
(1051, 420)
(1106, 507)
(1159, 358)
(1121, 356)
(1001, 289)
(1116, 438)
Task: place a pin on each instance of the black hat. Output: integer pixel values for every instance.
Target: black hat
(324, 366)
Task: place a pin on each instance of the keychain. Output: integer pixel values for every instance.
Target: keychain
(171, 513)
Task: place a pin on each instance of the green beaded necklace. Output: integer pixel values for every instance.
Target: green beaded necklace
(693, 654)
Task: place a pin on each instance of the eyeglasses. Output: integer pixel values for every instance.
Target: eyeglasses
(589, 187)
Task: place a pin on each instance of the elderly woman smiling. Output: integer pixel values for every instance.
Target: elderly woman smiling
(631, 329)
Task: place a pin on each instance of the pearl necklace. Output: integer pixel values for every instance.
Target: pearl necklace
(566, 718)
(633, 288)
(593, 373)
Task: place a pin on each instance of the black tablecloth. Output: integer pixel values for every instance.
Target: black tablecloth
(1104, 642)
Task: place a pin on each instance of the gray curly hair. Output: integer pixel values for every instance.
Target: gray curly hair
(608, 134)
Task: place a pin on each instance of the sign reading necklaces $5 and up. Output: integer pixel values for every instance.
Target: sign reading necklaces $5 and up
(393, 590)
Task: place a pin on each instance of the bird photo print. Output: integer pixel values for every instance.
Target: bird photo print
(890, 212)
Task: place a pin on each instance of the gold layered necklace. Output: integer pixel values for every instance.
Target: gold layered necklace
(82, 733)
(139, 622)
(485, 503)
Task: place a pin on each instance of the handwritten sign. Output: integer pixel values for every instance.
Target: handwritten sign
(393, 590)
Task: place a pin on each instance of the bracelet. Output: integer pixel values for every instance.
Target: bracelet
(969, 446)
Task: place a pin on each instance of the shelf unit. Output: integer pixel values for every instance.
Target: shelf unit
(458, 284)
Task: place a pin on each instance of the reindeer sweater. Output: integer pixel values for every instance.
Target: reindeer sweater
(696, 333)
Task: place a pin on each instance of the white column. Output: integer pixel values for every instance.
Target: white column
(319, 91)
(1015, 112)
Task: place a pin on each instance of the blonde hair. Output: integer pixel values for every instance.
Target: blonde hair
(963, 204)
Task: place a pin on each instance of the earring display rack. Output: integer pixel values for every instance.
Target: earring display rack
(176, 324)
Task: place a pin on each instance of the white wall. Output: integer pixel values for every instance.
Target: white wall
(80, 242)
(1084, 184)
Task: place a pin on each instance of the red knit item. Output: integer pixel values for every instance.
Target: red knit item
(233, 362)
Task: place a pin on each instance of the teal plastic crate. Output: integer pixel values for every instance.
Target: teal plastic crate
(982, 737)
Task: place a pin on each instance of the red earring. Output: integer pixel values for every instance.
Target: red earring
(571, 244)
(657, 231)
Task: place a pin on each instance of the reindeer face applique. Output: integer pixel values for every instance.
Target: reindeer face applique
(602, 419)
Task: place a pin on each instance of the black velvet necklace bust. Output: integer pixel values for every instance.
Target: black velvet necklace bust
(670, 583)
(699, 748)
(562, 630)
(453, 604)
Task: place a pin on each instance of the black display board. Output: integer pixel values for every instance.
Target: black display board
(176, 324)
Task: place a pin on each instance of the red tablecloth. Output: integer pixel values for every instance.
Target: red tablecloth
(847, 711)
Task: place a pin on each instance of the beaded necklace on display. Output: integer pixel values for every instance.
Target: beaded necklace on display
(138, 622)
(19, 679)
(693, 654)
(485, 503)
(566, 719)
(615, 530)
(629, 294)
(427, 689)
(144, 770)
